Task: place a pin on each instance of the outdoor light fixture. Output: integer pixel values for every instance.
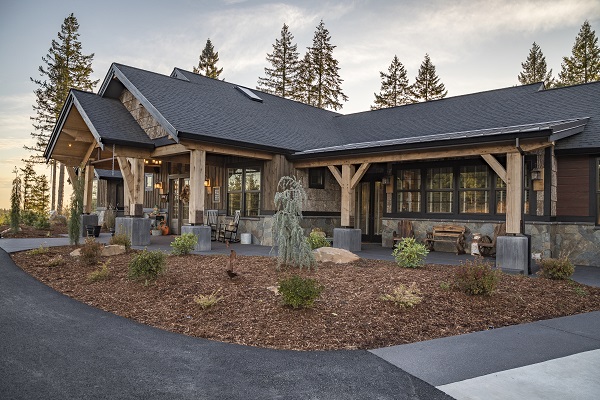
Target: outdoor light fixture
(152, 162)
(158, 185)
(207, 182)
(536, 174)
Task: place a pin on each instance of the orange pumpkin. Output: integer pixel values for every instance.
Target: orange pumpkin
(164, 228)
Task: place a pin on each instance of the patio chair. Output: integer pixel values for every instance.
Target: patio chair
(228, 230)
(405, 230)
(212, 217)
(487, 246)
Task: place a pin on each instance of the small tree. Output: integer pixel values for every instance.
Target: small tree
(395, 90)
(535, 68)
(75, 211)
(280, 78)
(293, 249)
(427, 84)
(15, 203)
(207, 65)
(584, 64)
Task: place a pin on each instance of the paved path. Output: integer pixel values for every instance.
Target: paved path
(55, 347)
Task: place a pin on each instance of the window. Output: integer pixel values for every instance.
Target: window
(316, 178)
(408, 186)
(473, 190)
(243, 191)
(439, 187)
(501, 193)
(149, 182)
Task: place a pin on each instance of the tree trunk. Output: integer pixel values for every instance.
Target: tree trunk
(61, 189)
(53, 167)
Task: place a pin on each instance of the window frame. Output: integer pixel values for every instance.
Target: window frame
(451, 190)
(462, 190)
(243, 191)
(316, 178)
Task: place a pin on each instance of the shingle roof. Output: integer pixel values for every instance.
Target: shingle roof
(208, 109)
(108, 174)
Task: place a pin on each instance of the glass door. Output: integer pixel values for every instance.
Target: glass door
(179, 208)
(370, 202)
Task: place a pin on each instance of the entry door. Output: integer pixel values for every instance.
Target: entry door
(369, 210)
(179, 209)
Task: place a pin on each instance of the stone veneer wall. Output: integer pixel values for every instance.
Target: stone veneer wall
(261, 228)
(579, 241)
(142, 116)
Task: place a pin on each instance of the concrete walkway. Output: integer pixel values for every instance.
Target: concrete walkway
(55, 347)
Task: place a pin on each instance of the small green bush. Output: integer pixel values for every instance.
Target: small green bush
(121, 239)
(147, 265)
(556, 268)
(317, 239)
(404, 297)
(56, 261)
(409, 253)
(299, 292)
(99, 274)
(40, 250)
(91, 251)
(477, 278)
(184, 244)
(28, 217)
(41, 222)
(207, 301)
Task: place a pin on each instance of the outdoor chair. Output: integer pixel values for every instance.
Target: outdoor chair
(487, 246)
(405, 230)
(212, 217)
(228, 230)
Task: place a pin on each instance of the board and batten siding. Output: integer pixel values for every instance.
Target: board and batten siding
(573, 186)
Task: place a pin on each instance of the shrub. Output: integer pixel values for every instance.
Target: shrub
(409, 253)
(41, 222)
(184, 244)
(317, 239)
(40, 250)
(121, 239)
(28, 217)
(477, 277)
(556, 268)
(299, 292)
(56, 261)
(206, 301)
(404, 296)
(99, 274)
(91, 251)
(147, 265)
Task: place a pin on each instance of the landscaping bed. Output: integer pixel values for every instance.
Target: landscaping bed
(348, 315)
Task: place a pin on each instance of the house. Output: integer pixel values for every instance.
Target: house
(187, 143)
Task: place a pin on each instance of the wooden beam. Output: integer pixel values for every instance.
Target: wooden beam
(197, 189)
(170, 150)
(127, 183)
(72, 175)
(136, 207)
(132, 152)
(88, 154)
(228, 150)
(359, 174)
(495, 165)
(417, 155)
(87, 189)
(347, 194)
(514, 190)
(336, 173)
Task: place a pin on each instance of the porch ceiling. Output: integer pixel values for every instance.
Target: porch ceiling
(74, 141)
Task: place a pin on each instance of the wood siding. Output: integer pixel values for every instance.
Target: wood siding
(573, 186)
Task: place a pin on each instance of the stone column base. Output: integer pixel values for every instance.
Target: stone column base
(347, 239)
(202, 232)
(137, 229)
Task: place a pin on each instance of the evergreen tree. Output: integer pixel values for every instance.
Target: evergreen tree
(75, 211)
(427, 84)
(40, 195)
(303, 88)
(280, 79)
(395, 90)
(15, 203)
(326, 86)
(535, 68)
(28, 183)
(207, 65)
(584, 64)
(65, 67)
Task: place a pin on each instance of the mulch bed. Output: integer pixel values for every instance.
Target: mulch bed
(31, 232)
(348, 315)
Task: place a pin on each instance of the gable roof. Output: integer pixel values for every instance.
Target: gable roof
(189, 105)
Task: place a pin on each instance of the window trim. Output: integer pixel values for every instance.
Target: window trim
(243, 191)
(318, 173)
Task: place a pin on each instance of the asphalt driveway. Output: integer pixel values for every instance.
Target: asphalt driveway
(53, 347)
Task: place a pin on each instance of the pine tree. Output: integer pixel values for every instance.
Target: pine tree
(427, 84)
(395, 90)
(75, 211)
(303, 88)
(40, 197)
(584, 64)
(535, 68)
(207, 65)
(65, 68)
(28, 183)
(280, 79)
(15, 203)
(326, 85)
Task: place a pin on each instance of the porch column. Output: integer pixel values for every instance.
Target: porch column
(514, 190)
(87, 189)
(348, 180)
(197, 189)
(127, 183)
(136, 207)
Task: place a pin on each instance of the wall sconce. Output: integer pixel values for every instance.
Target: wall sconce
(207, 182)
(386, 180)
(152, 163)
(158, 185)
(536, 174)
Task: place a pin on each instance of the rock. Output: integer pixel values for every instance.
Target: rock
(334, 255)
(113, 250)
(76, 253)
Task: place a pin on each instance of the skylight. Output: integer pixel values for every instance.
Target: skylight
(249, 93)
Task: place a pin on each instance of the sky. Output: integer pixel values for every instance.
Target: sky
(474, 45)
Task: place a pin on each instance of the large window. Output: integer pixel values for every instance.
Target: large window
(243, 191)
(408, 186)
(473, 190)
(440, 190)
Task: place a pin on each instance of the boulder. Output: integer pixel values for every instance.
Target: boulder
(76, 253)
(334, 255)
(113, 250)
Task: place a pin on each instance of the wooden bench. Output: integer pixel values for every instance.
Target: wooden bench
(487, 246)
(405, 230)
(447, 233)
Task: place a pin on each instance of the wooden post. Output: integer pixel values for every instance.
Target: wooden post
(197, 189)
(136, 207)
(87, 189)
(514, 190)
(347, 194)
